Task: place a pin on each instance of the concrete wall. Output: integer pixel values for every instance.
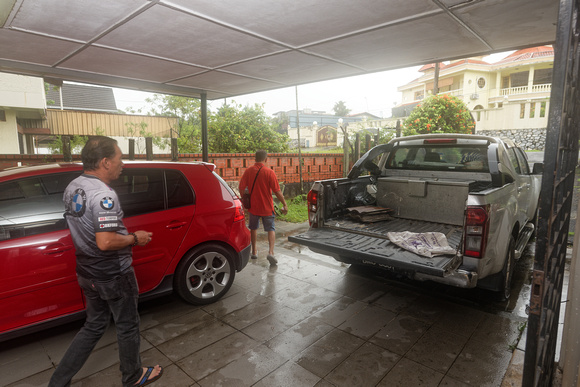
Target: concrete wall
(9, 134)
(22, 92)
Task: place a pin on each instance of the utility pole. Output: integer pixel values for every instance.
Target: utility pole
(298, 132)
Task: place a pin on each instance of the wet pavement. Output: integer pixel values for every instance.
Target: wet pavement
(310, 321)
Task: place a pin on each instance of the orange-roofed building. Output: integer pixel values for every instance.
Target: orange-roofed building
(512, 93)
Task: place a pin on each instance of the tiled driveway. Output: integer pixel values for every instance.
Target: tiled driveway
(310, 321)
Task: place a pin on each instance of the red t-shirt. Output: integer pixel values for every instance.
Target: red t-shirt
(266, 184)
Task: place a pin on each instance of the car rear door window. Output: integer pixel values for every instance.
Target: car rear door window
(140, 190)
(179, 192)
(33, 205)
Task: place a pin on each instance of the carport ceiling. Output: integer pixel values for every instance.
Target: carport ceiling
(225, 48)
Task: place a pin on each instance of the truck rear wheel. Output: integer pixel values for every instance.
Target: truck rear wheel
(508, 271)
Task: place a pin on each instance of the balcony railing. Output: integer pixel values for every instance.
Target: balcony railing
(454, 93)
(543, 88)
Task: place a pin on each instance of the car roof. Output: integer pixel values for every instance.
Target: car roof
(32, 170)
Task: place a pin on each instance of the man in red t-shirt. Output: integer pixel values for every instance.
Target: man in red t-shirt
(261, 182)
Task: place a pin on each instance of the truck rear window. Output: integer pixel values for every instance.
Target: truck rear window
(439, 158)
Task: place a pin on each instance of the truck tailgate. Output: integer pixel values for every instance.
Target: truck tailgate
(368, 244)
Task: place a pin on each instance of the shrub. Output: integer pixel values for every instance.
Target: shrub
(439, 114)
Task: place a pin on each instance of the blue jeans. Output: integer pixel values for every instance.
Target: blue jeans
(119, 297)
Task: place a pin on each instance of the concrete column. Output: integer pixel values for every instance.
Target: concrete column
(530, 79)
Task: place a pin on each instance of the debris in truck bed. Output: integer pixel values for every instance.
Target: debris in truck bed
(427, 244)
(369, 214)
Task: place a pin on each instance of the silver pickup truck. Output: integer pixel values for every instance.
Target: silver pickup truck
(476, 191)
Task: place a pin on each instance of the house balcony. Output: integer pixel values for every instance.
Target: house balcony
(454, 93)
(522, 92)
(544, 88)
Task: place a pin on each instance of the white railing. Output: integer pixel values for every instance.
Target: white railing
(454, 93)
(543, 88)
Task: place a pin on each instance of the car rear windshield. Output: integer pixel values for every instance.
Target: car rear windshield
(440, 157)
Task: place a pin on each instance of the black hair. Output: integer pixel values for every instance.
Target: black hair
(261, 155)
(96, 149)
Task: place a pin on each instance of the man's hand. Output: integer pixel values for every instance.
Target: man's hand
(143, 237)
(285, 209)
(111, 240)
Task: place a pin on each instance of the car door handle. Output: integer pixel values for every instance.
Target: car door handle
(57, 250)
(175, 225)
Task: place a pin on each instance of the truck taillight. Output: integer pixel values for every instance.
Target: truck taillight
(312, 199)
(476, 226)
(239, 214)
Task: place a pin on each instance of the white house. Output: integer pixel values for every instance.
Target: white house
(510, 94)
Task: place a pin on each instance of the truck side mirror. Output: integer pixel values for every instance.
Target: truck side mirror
(538, 169)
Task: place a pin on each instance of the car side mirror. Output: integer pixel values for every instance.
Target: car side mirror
(538, 169)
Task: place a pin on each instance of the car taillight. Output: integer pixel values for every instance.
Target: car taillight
(312, 199)
(239, 214)
(476, 226)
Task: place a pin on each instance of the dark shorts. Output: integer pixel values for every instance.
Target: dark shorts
(267, 221)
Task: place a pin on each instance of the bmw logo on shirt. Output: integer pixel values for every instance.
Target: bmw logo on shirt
(107, 203)
(78, 203)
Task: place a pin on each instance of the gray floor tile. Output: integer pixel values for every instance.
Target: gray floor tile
(211, 358)
(247, 370)
(340, 311)
(367, 322)
(437, 349)
(249, 314)
(299, 337)
(195, 339)
(400, 334)
(328, 352)
(274, 324)
(290, 374)
(176, 327)
(459, 319)
(365, 367)
(481, 364)
(407, 373)
(309, 299)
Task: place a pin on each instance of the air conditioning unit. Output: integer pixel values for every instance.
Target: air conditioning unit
(474, 96)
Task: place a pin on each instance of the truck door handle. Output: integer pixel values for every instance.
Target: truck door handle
(175, 225)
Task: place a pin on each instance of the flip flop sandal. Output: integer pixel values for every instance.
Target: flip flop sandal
(145, 379)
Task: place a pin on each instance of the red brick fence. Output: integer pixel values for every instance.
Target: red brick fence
(230, 166)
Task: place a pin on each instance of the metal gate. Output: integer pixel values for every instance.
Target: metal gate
(560, 160)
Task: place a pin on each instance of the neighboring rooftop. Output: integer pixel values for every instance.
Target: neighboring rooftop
(82, 97)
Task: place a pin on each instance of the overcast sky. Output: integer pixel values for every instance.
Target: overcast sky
(373, 93)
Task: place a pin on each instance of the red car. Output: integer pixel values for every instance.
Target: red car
(200, 239)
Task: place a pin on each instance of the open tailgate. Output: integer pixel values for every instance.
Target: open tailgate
(370, 246)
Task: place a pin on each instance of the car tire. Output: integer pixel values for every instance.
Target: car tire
(508, 271)
(205, 274)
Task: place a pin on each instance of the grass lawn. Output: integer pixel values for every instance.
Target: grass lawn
(297, 210)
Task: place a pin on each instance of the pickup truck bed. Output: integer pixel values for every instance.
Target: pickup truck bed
(345, 239)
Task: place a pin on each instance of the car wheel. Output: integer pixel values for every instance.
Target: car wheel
(205, 274)
(508, 271)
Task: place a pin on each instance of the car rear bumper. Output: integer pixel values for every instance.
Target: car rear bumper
(243, 257)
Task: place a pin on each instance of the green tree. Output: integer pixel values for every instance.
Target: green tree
(47, 88)
(340, 109)
(439, 114)
(76, 142)
(237, 129)
(280, 123)
(188, 110)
